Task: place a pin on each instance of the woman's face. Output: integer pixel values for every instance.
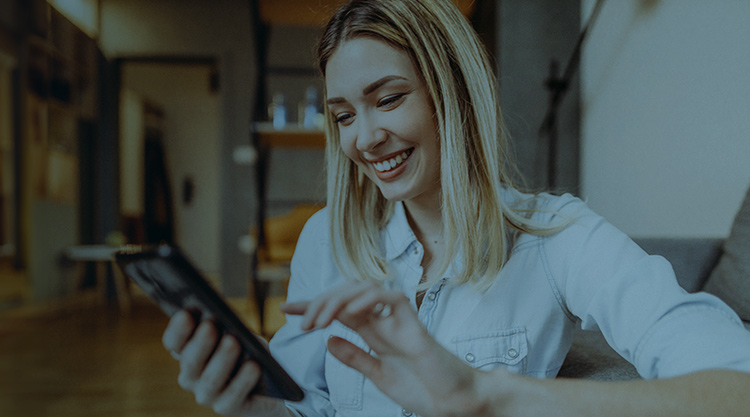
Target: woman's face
(384, 117)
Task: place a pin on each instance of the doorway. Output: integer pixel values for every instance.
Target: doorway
(169, 154)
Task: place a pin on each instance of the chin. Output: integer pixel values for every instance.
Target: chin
(393, 195)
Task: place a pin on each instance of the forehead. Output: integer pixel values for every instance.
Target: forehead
(360, 61)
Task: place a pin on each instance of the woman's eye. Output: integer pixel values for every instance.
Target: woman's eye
(390, 101)
(343, 118)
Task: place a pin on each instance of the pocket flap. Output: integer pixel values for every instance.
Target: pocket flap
(508, 347)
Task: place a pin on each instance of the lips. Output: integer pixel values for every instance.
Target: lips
(393, 162)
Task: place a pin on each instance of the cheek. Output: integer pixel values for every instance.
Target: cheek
(418, 121)
(348, 145)
(349, 148)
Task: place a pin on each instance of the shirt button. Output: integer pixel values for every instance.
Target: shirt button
(406, 413)
(469, 357)
(431, 296)
(512, 353)
(416, 250)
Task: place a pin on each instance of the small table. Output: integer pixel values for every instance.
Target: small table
(103, 257)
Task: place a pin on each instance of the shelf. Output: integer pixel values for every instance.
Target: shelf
(317, 12)
(290, 137)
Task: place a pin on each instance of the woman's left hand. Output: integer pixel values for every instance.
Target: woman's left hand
(409, 366)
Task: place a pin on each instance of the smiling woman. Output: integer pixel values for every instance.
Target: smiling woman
(385, 120)
(431, 74)
(431, 285)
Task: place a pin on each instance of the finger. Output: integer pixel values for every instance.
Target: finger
(355, 358)
(195, 354)
(321, 309)
(382, 331)
(374, 301)
(217, 371)
(237, 391)
(178, 331)
(296, 309)
(311, 313)
(337, 300)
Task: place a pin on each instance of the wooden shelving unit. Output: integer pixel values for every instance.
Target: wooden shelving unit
(291, 137)
(316, 12)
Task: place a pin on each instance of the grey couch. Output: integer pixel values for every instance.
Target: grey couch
(693, 259)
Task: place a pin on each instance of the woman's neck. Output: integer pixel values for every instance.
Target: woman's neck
(426, 219)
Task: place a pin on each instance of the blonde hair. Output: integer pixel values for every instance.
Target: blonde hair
(474, 165)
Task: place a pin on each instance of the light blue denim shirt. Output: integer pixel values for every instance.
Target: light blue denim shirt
(589, 275)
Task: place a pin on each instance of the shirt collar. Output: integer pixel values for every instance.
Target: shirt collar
(397, 235)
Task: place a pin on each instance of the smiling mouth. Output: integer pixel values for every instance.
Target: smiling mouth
(393, 163)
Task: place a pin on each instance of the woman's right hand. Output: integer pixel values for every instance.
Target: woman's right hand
(207, 362)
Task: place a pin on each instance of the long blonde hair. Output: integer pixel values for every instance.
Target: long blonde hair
(474, 164)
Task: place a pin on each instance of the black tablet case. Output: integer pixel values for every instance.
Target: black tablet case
(167, 276)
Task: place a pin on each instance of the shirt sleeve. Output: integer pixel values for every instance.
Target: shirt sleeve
(302, 354)
(634, 299)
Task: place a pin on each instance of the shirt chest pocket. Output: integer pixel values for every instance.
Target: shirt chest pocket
(345, 385)
(487, 351)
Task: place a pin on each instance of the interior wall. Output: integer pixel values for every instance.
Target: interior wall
(220, 29)
(666, 132)
(131, 153)
(191, 144)
(532, 33)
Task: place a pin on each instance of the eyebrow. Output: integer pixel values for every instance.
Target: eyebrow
(369, 89)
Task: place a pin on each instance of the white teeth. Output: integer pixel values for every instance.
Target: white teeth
(392, 163)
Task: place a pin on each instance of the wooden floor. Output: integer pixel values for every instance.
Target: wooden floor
(83, 358)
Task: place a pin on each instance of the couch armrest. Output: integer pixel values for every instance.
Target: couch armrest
(693, 259)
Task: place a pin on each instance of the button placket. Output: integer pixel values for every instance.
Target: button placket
(429, 304)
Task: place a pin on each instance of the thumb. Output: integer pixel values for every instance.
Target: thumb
(354, 357)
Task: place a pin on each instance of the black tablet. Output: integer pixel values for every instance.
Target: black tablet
(167, 276)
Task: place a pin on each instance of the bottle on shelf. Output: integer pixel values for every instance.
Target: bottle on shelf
(277, 111)
(308, 109)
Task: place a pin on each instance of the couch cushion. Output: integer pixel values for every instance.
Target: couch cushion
(730, 280)
(693, 259)
(591, 357)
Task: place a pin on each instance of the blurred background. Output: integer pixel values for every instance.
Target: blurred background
(198, 123)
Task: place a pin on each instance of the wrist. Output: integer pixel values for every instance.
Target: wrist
(494, 393)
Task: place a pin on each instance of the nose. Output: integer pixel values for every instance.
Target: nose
(369, 134)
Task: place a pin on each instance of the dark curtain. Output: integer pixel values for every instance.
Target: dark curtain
(158, 217)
